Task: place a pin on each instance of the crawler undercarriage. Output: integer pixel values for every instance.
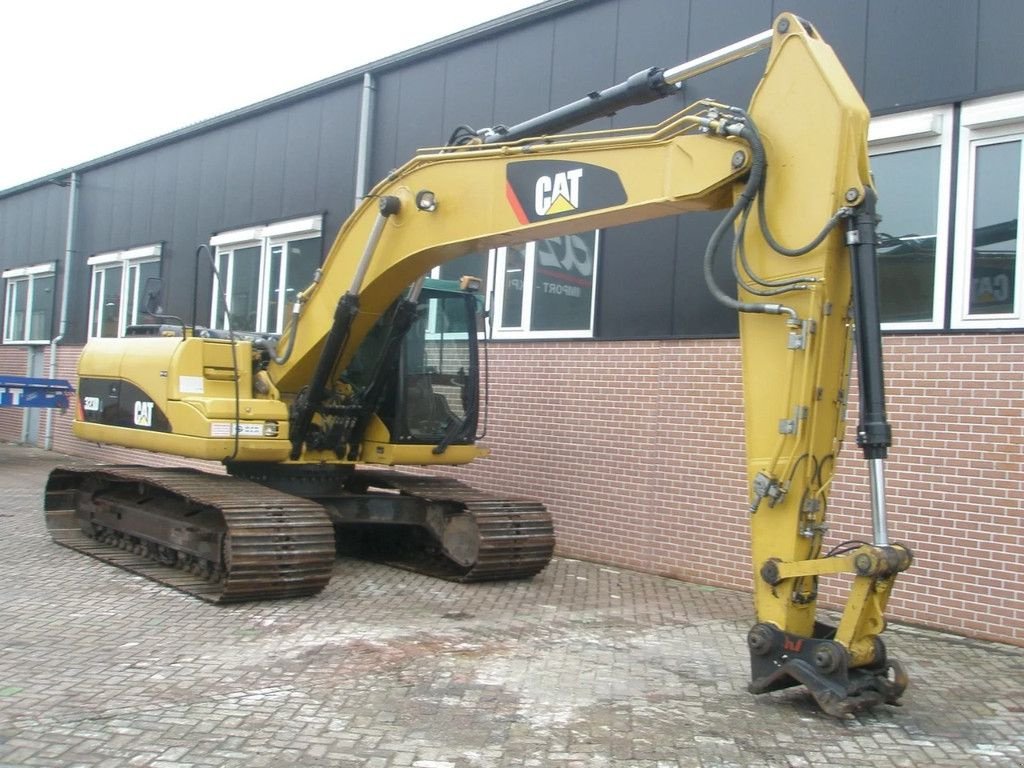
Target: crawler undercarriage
(229, 539)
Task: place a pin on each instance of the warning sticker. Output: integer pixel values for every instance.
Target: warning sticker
(227, 429)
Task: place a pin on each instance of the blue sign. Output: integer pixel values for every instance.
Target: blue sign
(27, 392)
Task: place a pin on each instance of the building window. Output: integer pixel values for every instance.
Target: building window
(263, 270)
(117, 292)
(28, 304)
(987, 285)
(542, 289)
(911, 155)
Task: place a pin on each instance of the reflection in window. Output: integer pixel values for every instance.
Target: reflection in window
(244, 283)
(470, 265)
(301, 262)
(107, 295)
(17, 302)
(563, 283)
(994, 230)
(540, 289)
(512, 283)
(118, 283)
(908, 187)
(138, 274)
(263, 270)
(28, 304)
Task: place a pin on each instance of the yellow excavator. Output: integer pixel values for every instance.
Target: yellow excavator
(379, 368)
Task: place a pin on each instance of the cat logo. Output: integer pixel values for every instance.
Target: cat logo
(538, 190)
(143, 414)
(559, 193)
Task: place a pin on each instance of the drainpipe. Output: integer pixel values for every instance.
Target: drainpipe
(69, 251)
(365, 125)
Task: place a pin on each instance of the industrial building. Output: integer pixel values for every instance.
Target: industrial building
(614, 377)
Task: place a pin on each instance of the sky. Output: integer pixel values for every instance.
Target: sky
(83, 78)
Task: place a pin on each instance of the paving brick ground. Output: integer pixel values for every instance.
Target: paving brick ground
(581, 666)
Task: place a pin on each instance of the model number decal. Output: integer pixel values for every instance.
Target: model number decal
(90, 403)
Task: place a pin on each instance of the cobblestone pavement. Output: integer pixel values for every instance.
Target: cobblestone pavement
(582, 666)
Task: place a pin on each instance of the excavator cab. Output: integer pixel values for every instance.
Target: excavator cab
(432, 396)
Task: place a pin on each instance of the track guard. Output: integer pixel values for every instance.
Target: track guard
(780, 660)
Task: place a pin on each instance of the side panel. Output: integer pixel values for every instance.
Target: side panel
(177, 396)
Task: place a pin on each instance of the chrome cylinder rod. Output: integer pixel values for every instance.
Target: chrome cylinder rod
(709, 61)
(388, 207)
(879, 521)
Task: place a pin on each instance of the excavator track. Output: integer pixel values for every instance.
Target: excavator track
(476, 536)
(221, 539)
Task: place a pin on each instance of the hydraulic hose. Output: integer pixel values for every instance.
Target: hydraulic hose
(802, 250)
(745, 199)
(767, 287)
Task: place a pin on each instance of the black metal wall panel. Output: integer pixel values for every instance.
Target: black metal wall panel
(383, 149)
(522, 83)
(636, 281)
(920, 52)
(122, 188)
(420, 109)
(166, 198)
(49, 223)
(212, 177)
(335, 190)
(1000, 52)
(469, 87)
(140, 206)
(96, 203)
(301, 156)
(268, 166)
(32, 231)
(240, 178)
(32, 227)
(177, 263)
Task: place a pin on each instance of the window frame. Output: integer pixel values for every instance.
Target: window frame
(985, 122)
(494, 300)
(921, 129)
(27, 275)
(100, 264)
(266, 237)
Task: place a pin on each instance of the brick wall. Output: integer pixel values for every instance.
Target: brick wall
(637, 448)
(13, 361)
